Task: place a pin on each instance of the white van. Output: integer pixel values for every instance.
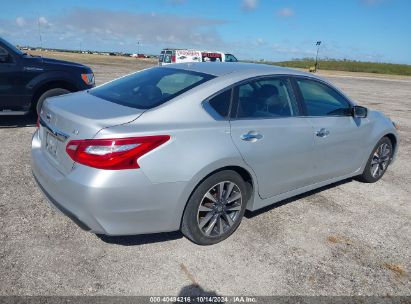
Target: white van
(169, 56)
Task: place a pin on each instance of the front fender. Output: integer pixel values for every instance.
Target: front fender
(381, 126)
(52, 76)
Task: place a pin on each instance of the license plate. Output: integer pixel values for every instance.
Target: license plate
(51, 144)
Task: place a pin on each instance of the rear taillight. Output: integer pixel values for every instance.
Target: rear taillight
(173, 58)
(38, 121)
(113, 154)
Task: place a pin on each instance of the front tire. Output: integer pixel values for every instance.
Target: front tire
(378, 161)
(215, 208)
(49, 93)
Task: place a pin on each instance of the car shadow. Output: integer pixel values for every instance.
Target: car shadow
(141, 239)
(250, 214)
(18, 121)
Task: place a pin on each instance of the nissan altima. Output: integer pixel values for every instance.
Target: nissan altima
(191, 146)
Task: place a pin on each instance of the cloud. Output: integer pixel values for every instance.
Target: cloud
(104, 30)
(249, 5)
(286, 12)
(20, 21)
(295, 51)
(260, 41)
(150, 28)
(44, 22)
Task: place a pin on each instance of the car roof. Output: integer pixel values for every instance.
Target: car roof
(223, 68)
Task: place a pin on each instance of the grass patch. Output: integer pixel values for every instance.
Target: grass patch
(347, 65)
(339, 240)
(88, 59)
(397, 269)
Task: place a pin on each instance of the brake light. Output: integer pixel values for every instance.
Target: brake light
(113, 154)
(38, 121)
(173, 58)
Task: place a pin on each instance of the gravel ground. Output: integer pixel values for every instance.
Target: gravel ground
(346, 239)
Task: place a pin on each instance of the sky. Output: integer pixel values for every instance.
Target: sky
(366, 30)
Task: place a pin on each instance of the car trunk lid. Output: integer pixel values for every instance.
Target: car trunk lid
(77, 116)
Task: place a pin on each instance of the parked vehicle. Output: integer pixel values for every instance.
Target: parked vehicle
(229, 58)
(212, 56)
(139, 56)
(26, 81)
(191, 147)
(217, 57)
(169, 56)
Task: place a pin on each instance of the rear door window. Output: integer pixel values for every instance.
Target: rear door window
(161, 57)
(167, 56)
(3, 52)
(221, 103)
(150, 88)
(4, 56)
(266, 98)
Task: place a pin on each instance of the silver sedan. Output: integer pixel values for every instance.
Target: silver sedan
(191, 146)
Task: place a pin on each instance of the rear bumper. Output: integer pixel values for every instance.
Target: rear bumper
(112, 202)
(61, 208)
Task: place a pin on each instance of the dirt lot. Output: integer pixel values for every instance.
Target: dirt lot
(346, 239)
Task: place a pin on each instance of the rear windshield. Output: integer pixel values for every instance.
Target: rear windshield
(165, 56)
(150, 88)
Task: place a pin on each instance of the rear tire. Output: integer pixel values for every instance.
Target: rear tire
(215, 208)
(378, 161)
(49, 93)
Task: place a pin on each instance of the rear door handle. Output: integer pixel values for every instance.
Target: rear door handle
(322, 133)
(251, 136)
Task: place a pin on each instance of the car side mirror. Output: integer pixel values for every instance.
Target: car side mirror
(359, 112)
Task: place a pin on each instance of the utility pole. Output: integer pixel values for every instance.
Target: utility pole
(316, 57)
(39, 29)
(138, 47)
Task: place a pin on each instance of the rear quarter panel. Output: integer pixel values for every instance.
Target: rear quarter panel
(197, 141)
(197, 146)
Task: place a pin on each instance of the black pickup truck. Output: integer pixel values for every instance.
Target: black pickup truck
(26, 80)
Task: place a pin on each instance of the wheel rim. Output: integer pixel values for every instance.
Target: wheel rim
(219, 209)
(380, 160)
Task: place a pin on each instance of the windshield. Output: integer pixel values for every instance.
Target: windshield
(12, 47)
(150, 88)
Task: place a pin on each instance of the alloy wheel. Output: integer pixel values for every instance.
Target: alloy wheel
(380, 160)
(219, 209)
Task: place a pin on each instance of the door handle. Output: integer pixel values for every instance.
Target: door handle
(251, 136)
(322, 133)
